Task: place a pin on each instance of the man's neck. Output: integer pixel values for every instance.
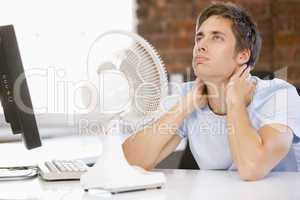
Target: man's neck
(217, 96)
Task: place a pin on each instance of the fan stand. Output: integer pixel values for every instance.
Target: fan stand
(113, 173)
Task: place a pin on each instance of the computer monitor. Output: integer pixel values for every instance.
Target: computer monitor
(14, 93)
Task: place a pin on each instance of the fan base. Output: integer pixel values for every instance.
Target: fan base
(113, 173)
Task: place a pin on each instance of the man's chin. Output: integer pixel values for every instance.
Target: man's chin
(204, 77)
(209, 75)
(204, 70)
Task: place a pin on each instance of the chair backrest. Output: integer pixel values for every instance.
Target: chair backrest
(187, 160)
(266, 75)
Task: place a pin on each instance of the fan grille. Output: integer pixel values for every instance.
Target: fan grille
(146, 74)
(142, 67)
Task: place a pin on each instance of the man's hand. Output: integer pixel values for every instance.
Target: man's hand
(196, 98)
(240, 88)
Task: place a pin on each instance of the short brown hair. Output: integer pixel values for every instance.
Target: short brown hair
(243, 27)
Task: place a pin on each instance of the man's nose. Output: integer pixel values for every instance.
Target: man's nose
(202, 45)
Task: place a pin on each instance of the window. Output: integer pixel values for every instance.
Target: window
(54, 38)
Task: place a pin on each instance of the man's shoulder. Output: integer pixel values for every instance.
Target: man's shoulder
(273, 97)
(266, 89)
(276, 101)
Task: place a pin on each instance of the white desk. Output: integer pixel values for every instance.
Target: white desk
(181, 185)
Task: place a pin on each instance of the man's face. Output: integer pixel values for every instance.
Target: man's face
(214, 55)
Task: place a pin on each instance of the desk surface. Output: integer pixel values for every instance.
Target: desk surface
(181, 184)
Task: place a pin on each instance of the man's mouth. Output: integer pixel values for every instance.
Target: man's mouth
(201, 59)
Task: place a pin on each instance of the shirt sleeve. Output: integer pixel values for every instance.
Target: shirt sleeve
(182, 130)
(282, 107)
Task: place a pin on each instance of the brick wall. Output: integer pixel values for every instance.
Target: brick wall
(169, 25)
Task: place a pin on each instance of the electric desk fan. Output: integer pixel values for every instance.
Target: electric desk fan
(132, 82)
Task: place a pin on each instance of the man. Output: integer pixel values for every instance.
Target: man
(232, 120)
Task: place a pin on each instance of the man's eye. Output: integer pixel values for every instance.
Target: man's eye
(218, 38)
(197, 39)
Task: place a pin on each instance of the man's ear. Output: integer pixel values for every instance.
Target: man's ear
(243, 56)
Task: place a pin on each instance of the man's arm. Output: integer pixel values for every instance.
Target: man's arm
(255, 153)
(168, 149)
(154, 143)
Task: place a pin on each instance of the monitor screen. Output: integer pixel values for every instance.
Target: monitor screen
(14, 92)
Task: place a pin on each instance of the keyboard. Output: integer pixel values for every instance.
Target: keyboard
(62, 169)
